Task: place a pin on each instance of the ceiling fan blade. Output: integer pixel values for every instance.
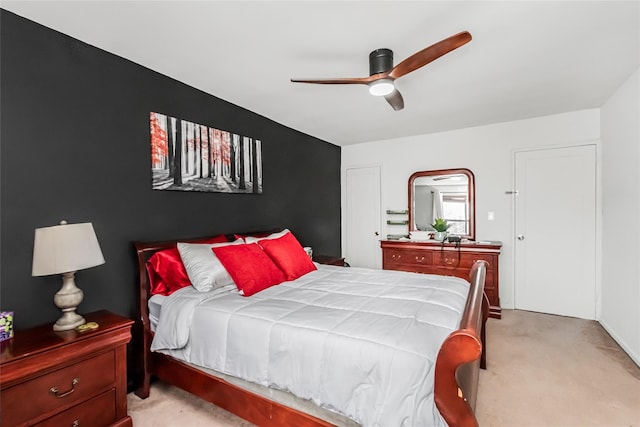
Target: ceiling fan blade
(395, 100)
(346, 81)
(429, 54)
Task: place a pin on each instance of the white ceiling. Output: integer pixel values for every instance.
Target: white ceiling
(526, 59)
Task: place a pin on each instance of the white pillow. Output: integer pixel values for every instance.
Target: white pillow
(204, 269)
(251, 239)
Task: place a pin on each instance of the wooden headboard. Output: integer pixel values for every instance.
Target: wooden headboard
(144, 251)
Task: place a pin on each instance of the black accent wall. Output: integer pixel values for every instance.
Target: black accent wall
(74, 135)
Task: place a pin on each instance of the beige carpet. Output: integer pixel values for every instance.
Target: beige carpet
(543, 370)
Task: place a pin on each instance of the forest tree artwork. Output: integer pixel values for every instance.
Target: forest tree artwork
(187, 156)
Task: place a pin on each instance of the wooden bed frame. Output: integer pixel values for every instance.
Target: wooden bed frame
(456, 370)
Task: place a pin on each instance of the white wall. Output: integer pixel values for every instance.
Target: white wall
(621, 216)
(488, 151)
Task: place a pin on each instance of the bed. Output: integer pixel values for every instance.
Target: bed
(301, 330)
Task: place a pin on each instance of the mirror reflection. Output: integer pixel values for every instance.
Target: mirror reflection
(447, 194)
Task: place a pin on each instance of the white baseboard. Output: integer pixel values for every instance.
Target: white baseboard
(632, 354)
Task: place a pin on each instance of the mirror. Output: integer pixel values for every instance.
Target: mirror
(445, 193)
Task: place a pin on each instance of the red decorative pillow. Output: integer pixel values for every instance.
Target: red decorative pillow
(251, 269)
(166, 271)
(289, 255)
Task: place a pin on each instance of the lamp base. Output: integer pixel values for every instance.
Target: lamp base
(69, 320)
(67, 299)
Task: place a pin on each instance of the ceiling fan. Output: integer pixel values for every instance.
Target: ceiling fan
(382, 73)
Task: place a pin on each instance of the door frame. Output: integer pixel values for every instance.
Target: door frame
(343, 197)
(598, 214)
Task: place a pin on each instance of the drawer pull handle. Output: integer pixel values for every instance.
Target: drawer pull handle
(394, 256)
(76, 423)
(56, 392)
(419, 259)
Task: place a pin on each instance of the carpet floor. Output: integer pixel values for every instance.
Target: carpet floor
(542, 370)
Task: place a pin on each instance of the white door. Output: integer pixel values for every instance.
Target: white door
(555, 228)
(362, 213)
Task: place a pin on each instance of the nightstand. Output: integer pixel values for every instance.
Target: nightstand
(330, 260)
(66, 378)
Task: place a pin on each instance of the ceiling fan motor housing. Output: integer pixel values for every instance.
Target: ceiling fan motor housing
(380, 61)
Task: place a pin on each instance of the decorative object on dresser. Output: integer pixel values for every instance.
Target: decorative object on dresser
(65, 249)
(448, 259)
(441, 226)
(419, 235)
(66, 378)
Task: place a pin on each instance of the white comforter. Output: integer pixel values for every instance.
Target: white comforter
(357, 341)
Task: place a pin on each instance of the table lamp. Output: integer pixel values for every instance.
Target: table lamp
(65, 249)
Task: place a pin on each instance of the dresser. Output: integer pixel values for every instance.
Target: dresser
(66, 378)
(446, 259)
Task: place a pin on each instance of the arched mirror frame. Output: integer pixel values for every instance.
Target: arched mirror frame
(471, 196)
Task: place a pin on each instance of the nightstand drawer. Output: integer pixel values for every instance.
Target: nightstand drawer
(97, 412)
(64, 387)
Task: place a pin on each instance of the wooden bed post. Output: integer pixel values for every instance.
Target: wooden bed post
(483, 333)
(143, 252)
(458, 364)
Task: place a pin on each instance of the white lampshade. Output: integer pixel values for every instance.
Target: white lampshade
(64, 248)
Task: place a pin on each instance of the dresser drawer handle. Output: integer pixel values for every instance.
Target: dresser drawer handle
(76, 423)
(56, 392)
(419, 259)
(394, 256)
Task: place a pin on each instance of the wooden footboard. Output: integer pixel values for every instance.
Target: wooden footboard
(456, 371)
(459, 359)
(252, 407)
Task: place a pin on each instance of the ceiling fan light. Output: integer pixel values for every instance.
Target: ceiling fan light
(381, 87)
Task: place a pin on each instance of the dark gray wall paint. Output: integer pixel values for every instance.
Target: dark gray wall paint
(74, 140)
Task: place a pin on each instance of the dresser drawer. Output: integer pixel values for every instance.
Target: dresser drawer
(74, 384)
(407, 257)
(460, 259)
(97, 412)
